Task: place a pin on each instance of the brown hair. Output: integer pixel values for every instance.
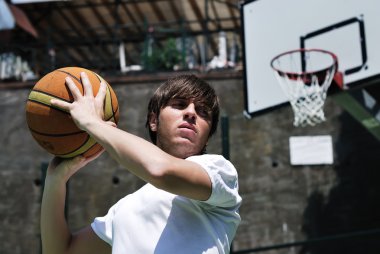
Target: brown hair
(186, 87)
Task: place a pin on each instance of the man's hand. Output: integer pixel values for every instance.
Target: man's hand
(86, 108)
(65, 168)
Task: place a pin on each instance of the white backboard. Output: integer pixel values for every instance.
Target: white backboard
(348, 28)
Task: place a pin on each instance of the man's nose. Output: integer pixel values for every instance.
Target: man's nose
(190, 111)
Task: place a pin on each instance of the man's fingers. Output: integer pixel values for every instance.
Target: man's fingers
(93, 157)
(54, 162)
(110, 123)
(61, 104)
(102, 92)
(73, 88)
(86, 85)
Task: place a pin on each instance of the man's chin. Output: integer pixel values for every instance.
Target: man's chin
(186, 149)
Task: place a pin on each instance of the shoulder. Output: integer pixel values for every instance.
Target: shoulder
(224, 179)
(213, 161)
(215, 164)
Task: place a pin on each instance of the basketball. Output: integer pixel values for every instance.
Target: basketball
(52, 127)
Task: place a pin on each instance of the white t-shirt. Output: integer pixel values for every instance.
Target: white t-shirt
(151, 220)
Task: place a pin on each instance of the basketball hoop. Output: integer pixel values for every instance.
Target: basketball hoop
(305, 76)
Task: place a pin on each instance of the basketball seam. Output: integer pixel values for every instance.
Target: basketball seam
(79, 147)
(66, 154)
(109, 88)
(113, 112)
(56, 134)
(114, 116)
(47, 104)
(111, 118)
(52, 95)
(71, 75)
(97, 76)
(50, 106)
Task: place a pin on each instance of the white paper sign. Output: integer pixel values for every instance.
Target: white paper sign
(311, 150)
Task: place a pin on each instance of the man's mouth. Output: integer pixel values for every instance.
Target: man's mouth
(188, 126)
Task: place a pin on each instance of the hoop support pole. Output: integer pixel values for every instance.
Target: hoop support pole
(354, 102)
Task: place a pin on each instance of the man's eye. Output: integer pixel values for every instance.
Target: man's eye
(178, 104)
(204, 113)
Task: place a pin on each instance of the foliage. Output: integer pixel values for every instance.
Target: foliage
(165, 58)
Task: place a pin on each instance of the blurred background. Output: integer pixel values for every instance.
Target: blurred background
(114, 37)
(319, 208)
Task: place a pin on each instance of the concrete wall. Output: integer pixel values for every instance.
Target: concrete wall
(281, 203)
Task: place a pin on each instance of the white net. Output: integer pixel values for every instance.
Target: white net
(306, 90)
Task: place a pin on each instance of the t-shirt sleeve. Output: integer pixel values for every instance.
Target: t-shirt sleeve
(102, 226)
(224, 179)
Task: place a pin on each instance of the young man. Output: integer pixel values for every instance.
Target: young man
(190, 202)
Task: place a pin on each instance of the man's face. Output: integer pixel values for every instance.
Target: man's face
(183, 127)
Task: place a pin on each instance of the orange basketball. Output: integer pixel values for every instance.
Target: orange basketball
(53, 127)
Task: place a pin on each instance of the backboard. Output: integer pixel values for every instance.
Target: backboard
(348, 28)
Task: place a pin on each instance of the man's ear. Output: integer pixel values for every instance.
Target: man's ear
(153, 121)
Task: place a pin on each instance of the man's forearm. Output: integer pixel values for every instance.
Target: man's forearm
(129, 150)
(55, 233)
